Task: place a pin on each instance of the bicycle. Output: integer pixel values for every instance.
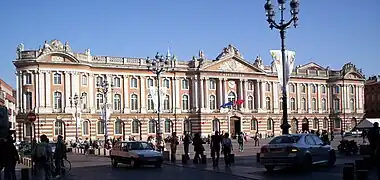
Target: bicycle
(65, 168)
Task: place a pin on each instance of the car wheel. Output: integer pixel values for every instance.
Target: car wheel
(332, 158)
(114, 162)
(133, 163)
(269, 168)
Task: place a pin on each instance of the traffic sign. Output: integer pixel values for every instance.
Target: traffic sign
(31, 116)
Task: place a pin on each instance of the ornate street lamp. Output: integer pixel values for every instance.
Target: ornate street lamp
(282, 26)
(103, 88)
(75, 101)
(158, 66)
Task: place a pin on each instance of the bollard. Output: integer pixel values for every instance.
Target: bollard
(25, 174)
(348, 171)
(165, 156)
(98, 151)
(184, 159)
(362, 175)
(257, 157)
(360, 165)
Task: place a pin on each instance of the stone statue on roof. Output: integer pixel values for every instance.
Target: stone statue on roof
(67, 47)
(20, 48)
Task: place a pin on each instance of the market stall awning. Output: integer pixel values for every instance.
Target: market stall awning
(367, 123)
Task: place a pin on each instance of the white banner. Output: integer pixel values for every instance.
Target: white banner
(289, 64)
(154, 94)
(77, 117)
(108, 112)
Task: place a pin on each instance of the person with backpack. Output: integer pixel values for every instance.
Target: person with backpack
(42, 156)
(241, 141)
(227, 149)
(59, 155)
(216, 141)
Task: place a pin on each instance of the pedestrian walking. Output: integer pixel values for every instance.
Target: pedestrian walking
(186, 143)
(215, 143)
(173, 146)
(256, 139)
(241, 141)
(59, 155)
(198, 148)
(2, 155)
(11, 158)
(42, 155)
(227, 149)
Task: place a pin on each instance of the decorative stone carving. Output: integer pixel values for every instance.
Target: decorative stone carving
(55, 46)
(201, 54)
(232, 66)
(229, 50)
(67, 47)
(20, 48)
(57, 58)
(87, 52)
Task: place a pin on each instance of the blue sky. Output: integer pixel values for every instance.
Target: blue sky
(330, 33)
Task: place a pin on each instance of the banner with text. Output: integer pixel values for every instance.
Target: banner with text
(289, 64)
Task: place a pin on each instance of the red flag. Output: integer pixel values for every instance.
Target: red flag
(239, 102)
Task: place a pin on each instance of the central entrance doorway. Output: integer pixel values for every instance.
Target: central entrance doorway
(235, 126)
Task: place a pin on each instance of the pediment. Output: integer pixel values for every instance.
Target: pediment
(233, 64)
(57, 57)
(354, 75)
(311, 66)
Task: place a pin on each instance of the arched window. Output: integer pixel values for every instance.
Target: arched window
(280, 104)
(168, 126)
(315, 123)
(28, 129)
(267, 103)
(292, 104)
(352, 104)
(303, 88)
(314, 104)
(267, 87)
(270, 124)
(325, 123)
(215, 125)
(187, 126)
(58, 128)
(250, 102)
(99, 101)
(150, 103)
(150, 82)
(29, 100)
(152, 126)
(166, 102)
(133, 83)
(118, 126)
(84, 80)
(135, 126)
(116, 82)
(57, 100)
(303, 104)
(254, 125)
(294, 125)
(336, 89)
(323, 89)
(134, 102)
(84, 100)
(337, 123)
(336, 104)
(185, 84)
(231, 97)
(85, 128)
(166, 83)
(352, 89)
(99, 81)
(313, 89)
(57, 78)
(117, 102)
(185, 102)
(212, 102)
(100, 127)
(324, 105)
(291, 88)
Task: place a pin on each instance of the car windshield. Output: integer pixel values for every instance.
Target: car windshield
(285, 140)
(139, 146)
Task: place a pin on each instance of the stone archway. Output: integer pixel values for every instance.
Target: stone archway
(294, 126)
(235, 126)
(305, 124)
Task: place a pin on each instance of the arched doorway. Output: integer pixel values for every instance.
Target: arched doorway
(136, 128)
(120, 128)
(215, 125)
(235, 126)
(187, 126)
(305, 124)
(294, 126)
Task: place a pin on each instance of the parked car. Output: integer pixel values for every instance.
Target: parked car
(296, 150)
(135, 153)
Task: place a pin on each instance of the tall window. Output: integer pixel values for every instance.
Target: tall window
(29, 100)
(116, 82)
(250, 102)
(212, 102)
(99, 101)
(337, 122)
(267, 103)
(166, 83)
(28, 129)
(215, 125)
(185, 84)
(57, 100)
(270, 124)
(323, 89)
(185, 102)
(166, 103)
(324, 105)
(352, 104)
(292, 104)
(57, 78)
(84, 100)
(150, 82)
(254, 125)
(58, 128)
(85, 128)
(152, 126)
(168, 126)
(303, 88)
(281, 104)
(100, 126)
(117, 102)
(267, 87)
(313, 88)
(134, 102)
(28, 78)
(187, 125)
(325, 123)
(118, 126)
(99, 81)
(212, 84)
(336, 89)
(291, 88)
(84, 80)
(315, 123)
(352, 89)
(336, 104)
(303, 104)
(150, 103)
(231, 97)
(133, 83)
(314, 104)
(135, 126)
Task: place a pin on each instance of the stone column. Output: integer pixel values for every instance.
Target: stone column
(298, 99)
(245, 95)
(257, 95)
(202, 90)
(347, 95)
(76, 84)
(177, 94)
(67, 94)
(276, 98)
(142, 94)
(220, 92)
(18, 90)
(48, 91)
(328, 100)
(309, 98)
(207, 96)
(194, 93)
(263, 102)
(225, 90)
(241, 95)
(356, 98)
(110, 92)
(91, 93)
(126, 94)
(319, 100)
(36, 90)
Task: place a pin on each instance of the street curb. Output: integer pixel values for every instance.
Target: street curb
(219, 172)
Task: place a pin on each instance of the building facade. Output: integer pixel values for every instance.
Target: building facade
(7, 99)
(372, 97)
(194, 91)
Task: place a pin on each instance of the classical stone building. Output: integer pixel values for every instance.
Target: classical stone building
(194, 92)
(372, 97)
(7, 99)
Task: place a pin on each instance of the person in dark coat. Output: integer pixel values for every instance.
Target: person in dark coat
(186, 143)
(198, 147)
(11, 159)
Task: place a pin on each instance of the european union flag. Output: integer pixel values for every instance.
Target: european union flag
(227, 104)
